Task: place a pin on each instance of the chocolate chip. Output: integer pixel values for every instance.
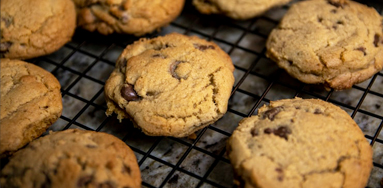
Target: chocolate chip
(203, 47)
(282, 131)
(279, 170)
(268, 131)
(122, 64)
(159, 55)
(172, 69)
(362, 49)
(340, 22)
(107, 184)
(126, 169)
(128, 93)
(8, 21)
(320, 19)
(318, 111)
(376, 40)
(271, 113)
(174, 179)
(85, 180)
(4, 46)
(337, 4)
(333, 11)
(90, 146)
(254, 132)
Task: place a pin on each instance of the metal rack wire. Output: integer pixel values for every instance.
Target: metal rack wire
(83, 65)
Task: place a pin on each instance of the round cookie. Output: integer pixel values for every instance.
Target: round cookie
(30, 103)
(32, 28)
(335, 43)
(137, 17)
(237, 9)
(73, 158)
(300, 143)
(170, 86)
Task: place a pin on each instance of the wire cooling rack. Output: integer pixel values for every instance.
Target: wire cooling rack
(83, 65)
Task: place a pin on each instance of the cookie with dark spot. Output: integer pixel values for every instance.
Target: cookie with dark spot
(237, 9)
(73, 158)
(30, 103)
(31, 28)
(335, 43)
(308, 143)
(171, 85)
(136, 17)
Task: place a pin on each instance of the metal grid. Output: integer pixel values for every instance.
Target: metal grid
(83, 65)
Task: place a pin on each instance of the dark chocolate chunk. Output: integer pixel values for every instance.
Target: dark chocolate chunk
(271, 113)
(85, 180)
(362, 49)
(173, 67)
(126, 169)
(376, 40)
(128, 93)
(282, 131)
(174, 179)
(268, 131)
(254, 132)
(4, 46)
(203, 47)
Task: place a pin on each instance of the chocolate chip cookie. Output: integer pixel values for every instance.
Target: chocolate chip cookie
(171, 85)
(30, 103)
(237, 9)
(73, 158)
(300, 143)
(32, 28)
(335, 43)
(137, 17)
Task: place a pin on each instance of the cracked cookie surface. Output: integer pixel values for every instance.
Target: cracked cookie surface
(300, 143)
(32, 28)
(30, 103)
(73, 158)
(172, 85)
(237, 9)
(335, 43)
(137, 17)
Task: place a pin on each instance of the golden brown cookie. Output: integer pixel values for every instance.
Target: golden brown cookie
(335, 43)
(172, 85)
(136, 17)
(300, 143)
(30, 103)
(32, 28)
(73, 158)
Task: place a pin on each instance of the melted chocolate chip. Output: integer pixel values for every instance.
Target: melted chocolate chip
(85, 180)
(376, 40)
(271, 113)
(203, 47)
(126, 169)
(282, 131)
(268, 131)
(362, 49)
(159, 55)
(4, 47)
(254, 132)
(172, 69)
(128, 93)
